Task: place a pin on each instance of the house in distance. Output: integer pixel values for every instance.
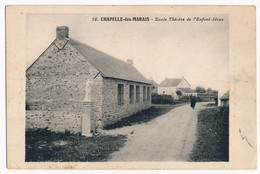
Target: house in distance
(72, 86)
(169, 86)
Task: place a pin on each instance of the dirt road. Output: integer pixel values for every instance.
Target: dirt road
(169, 137)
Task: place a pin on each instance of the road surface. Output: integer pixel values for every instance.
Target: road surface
(169, 137)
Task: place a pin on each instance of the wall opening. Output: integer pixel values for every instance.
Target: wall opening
(144, 93)
(120, 94)
(137, 94)
(148, 94)
(131, 94)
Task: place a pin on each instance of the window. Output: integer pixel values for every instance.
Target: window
(131, 93)
(137, 94)
(148, 94)
(120, 94)
(144, 93)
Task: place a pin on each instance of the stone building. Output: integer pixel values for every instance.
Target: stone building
(81, 86)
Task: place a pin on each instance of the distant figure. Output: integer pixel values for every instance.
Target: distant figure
(192, 102)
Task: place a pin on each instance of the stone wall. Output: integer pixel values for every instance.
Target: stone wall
(112, 111)
(59, 76)
(57, 121)
(58, 117)
(62, 75)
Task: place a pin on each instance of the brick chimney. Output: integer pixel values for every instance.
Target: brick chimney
(130, 61)
(62, 32)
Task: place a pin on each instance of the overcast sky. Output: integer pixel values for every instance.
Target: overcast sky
(196, 50)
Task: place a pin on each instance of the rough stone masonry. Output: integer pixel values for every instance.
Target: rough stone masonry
(71, 80)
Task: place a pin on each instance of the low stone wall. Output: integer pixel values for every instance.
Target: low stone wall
(57, 121)
(59, 116)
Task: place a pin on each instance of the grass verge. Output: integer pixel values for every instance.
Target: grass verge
(143, 116)
(44, 145)
(212, 136)
(211, 104)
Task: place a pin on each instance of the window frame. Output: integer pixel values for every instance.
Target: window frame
(144, 93)
(137, 99)
(131, 94)
(148, 90)
(120, 94)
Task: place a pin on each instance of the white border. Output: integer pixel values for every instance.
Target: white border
(3, 3)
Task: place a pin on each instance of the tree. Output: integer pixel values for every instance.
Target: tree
(179, 93)
(215, 91)
(200, 89)
(209, 90)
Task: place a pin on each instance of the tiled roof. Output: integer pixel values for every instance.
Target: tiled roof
(225, 96)
(186, 90)
(108, 65)
(170, 82)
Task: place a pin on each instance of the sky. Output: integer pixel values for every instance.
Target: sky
(196, 50)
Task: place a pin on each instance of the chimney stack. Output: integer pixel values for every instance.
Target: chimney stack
(62, 32)
(130, 61)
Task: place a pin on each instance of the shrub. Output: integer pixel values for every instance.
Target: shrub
(162, 99)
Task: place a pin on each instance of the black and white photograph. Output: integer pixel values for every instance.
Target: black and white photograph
(127, 88)
(131, 85)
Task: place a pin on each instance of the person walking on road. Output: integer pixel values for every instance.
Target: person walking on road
(192, 102)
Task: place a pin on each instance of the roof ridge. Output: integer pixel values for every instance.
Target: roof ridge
(108, 65)
(225, 95)
(74, 40)
(169, 82)
(173, 79)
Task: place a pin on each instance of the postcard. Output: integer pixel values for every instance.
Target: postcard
(131, 87)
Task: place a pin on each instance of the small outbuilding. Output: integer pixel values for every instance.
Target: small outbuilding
(225, 99)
